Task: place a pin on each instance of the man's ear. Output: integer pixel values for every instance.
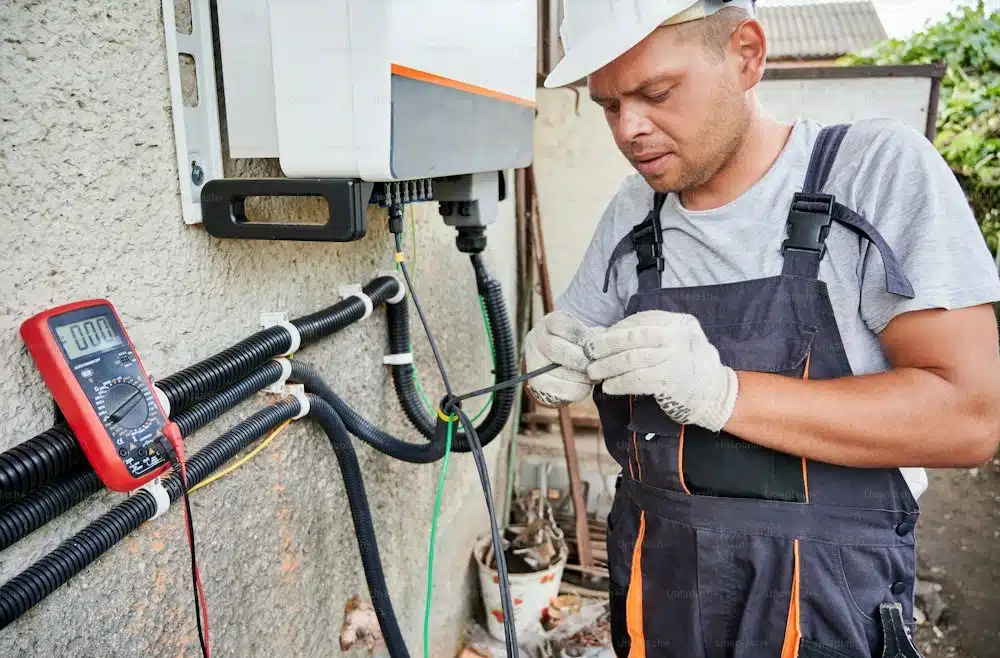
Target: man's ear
(750, 42)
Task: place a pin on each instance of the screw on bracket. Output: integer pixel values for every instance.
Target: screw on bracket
(197, 174)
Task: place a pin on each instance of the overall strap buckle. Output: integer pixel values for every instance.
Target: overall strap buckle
(809, 223)
(647, 240)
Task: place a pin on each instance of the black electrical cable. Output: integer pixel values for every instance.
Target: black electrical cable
(501, 335)
(44, 504)
(54, 452)
(350, 470)
(32, 585)
(357, 425)
(476, 448)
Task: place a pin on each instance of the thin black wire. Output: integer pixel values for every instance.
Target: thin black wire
(477, 453)
(423, 318)
(510, 383)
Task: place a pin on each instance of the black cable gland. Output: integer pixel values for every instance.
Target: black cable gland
(395, 218)
(447, 409)
(471, 239)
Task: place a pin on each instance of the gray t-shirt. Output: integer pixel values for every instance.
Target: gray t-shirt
(886, 171)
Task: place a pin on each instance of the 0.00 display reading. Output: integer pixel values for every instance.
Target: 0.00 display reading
(88, 336)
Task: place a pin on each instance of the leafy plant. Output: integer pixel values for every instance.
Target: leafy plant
(968, 124)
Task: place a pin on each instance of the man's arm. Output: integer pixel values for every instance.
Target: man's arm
(938, 407)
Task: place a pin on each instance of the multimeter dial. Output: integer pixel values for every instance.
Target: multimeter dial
(124, 407)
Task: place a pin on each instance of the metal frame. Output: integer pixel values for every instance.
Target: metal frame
(197, 131)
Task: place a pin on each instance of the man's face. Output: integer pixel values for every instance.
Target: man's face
(677, 110)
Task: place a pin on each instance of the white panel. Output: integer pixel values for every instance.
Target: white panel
(245, 37)
(322, 55)
(488, 43)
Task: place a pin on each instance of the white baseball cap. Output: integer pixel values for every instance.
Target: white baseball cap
(596, 32)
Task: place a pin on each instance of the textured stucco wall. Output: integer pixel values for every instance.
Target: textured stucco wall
(90, 207)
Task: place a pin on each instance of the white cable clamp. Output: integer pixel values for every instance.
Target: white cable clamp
(293, 332)
(401, 293)
(278, 386)
(280, 319)
(159, 493)
(298, 392)
(163, 400)
(402, 359)
(354, 290)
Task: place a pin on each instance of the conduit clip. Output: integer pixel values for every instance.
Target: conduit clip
(401, 293)
(164, 401)
(400, 359)
(355, 290)
(278, 385)
(298, 391)
(270, 319)
(160, 496)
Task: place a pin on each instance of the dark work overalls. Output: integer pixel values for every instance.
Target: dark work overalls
(719, 548)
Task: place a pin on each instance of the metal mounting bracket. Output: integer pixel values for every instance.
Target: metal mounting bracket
(197, 133)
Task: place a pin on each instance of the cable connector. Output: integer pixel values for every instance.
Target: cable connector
(401, 293)
(164, 449)
(355, 290)
(395, 208)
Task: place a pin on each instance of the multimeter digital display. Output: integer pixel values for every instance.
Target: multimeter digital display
(101, 387)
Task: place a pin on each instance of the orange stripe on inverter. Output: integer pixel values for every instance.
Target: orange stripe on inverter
(434, 78)
(793, 627)
(633, 602)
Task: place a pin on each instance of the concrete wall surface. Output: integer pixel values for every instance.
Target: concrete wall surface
(90, 207)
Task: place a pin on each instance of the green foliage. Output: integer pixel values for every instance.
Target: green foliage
(968, 134)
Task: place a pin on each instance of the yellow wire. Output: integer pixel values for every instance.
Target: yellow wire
(253, 453)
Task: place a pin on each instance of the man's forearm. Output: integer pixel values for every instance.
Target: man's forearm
(904, 417)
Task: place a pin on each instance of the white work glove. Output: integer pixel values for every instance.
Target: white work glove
(668, 356)
(559, 339)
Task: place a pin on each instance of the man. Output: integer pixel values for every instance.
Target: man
(782, 326)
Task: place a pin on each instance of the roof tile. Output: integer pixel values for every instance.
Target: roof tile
(821, 29)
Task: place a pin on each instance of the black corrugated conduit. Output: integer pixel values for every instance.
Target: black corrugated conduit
(506, 365)
(364, 531)
(44, 504)
(28, 588)
(32, 585)
(47, 456)
(357, 425)
(38, 460)
(194, 382)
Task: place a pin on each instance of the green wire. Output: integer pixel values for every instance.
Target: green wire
(430, 549)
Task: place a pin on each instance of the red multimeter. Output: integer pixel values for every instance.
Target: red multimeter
(96, 378)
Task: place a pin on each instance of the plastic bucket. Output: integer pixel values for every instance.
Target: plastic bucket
(530, 593)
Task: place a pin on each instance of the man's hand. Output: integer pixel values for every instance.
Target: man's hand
(668, 356)
(559, 338)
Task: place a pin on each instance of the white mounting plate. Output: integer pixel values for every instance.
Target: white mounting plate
(197, 134)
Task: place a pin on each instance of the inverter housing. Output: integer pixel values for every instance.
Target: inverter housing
(380, 90)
